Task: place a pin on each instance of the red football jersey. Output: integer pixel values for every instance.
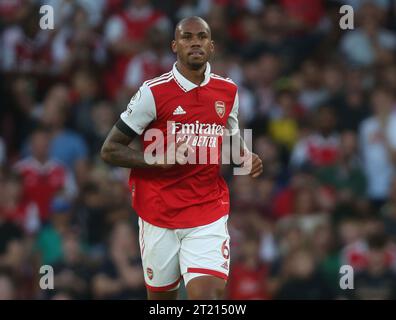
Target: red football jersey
(247, 283)
(41, 182)
(193, 194)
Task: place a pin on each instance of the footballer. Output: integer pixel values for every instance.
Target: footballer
(182, 207)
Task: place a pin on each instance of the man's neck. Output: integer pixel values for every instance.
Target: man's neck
(42, 160)
(195, 76)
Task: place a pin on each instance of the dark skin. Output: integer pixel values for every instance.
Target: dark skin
(193, 46)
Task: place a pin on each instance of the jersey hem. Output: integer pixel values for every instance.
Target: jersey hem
(184, 226)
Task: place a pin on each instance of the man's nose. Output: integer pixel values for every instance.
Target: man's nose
(195, 42)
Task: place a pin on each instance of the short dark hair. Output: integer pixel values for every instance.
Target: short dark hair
(196, 18)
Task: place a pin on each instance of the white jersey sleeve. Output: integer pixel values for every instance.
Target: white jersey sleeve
(140, 110)
(232, 121)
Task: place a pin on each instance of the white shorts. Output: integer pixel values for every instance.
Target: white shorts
(170, 254)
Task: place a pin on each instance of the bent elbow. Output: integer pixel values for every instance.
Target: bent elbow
(105, 153)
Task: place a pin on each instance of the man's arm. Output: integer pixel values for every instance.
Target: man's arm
(116, 150)
(140, 112)
(248, 158)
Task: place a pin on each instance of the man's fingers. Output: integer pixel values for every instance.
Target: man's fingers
(183, 147)
(256, 173)
(189, 148)
(181, 141)
(182, 152)
(255, 164)
(257, 168)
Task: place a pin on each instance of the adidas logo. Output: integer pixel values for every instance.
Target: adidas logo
(179, 110)
(225, 265)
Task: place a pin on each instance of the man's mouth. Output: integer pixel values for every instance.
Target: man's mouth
(197, 53)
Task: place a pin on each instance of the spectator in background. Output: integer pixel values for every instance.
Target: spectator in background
(49, 240)
(325, 250)
(283, 126)
(274, 25)
(17, 208)
(25, 47)
(290, 238)
(149, 63)
(321, 147)
(370, 42)
(76, 45)
(346, 176)
(101, 118)
(120, 276)
(91, 213)
(264, 192)
(353, 246)
(271, 155)
(334, 82)
(355, 236)
(72, 273)
(351, 107)
(221, 30)
(244, 196)
(268, 67)
(9, 231)
(311, 87)
(378, 145)
(14, 258)
(377, 281)
(125, 34)
(85, 95)
(304, 15)
(18, 120)
(248, 275)
(67, 146)
(245, 29)
(65, 9)
(44, 178)
(302, 279)
(284, 200)
(11, 242)
(306, 214)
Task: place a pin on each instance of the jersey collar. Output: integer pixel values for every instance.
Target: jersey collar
(186, 84)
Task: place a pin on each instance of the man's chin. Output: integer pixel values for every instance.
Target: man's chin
(196, 65)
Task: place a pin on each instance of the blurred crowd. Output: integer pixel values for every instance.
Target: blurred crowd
(321, 102)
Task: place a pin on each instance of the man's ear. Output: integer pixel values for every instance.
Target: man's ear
(212, 44)
(173, 45)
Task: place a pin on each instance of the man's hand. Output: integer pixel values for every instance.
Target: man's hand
(253, 160)
(182, 150)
